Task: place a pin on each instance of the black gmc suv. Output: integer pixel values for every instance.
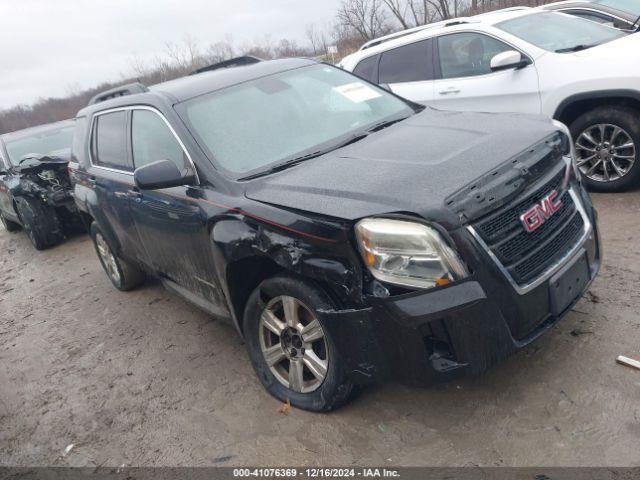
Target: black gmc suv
(35, 191)
(349, 236)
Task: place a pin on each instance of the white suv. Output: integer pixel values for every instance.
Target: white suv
(585, 74)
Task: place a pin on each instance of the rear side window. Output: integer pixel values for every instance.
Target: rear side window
(110, 145)
(368, 69)
(152, 140)
(409, 63)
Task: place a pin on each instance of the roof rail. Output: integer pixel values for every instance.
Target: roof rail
(116, 92)
(505, 10)
(234, 62)
(403, 33)
(392, 36)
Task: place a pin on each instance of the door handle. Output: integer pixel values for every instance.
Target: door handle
(449, 90)
(135, 195)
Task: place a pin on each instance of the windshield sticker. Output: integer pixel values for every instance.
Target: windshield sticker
(357, 92)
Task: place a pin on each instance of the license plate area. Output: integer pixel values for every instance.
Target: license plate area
(569, 283)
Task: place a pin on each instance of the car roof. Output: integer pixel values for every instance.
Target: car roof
(27, 132)
(454, 24)
(191, 86)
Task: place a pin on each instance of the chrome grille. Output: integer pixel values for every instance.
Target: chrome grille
(525, 256)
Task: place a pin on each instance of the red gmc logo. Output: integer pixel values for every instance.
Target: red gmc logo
(533, 218)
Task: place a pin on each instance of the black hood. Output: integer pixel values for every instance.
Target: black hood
(57, 158)
(412, 166)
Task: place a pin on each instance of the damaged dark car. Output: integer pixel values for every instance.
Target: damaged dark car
(348, 235)
(35, 190)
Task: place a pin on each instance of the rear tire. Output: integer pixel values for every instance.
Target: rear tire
(314, 377)
(40, 222)
(8, 225)
(607, 140)
(124, 275)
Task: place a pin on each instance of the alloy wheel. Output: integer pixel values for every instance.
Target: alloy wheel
(605, 152)
(293, 344)
(108, 259)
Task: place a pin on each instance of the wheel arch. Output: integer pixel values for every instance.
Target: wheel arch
(87, 218)
(246, 255)
(574, 106)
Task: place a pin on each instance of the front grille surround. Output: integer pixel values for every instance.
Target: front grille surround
(561, 238)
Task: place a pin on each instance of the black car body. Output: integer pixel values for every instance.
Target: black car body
(230, 242)
(609, 12)
(35, 191)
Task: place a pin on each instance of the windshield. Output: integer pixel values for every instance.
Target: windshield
(278, 118)
(40, 143)
(557, 32)
(629, 6)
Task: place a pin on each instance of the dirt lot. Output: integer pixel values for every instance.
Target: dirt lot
(145, 379)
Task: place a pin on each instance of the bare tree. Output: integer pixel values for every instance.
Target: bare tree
(367, 17)
(318, 40)
(219, 52)
(413, 13)
(184, 55)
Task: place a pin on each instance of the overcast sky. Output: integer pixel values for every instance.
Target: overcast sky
(50, 46)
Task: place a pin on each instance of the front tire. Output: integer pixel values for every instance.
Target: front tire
(292, 353)
(607, 143)
(40, 222)
(124, 275)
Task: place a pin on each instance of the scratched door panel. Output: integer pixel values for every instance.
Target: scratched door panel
(173, 229)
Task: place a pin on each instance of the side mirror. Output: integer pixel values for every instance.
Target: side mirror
(509, 60)
(161, 174)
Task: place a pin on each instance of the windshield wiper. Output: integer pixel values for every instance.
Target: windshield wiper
(577, 48)
(282, 166)
(290, 163)
(386, 123)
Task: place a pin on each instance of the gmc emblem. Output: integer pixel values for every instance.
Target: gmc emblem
(533, 218)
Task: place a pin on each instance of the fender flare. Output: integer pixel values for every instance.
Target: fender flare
(595, 95)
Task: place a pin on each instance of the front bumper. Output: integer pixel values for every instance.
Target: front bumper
(429, 337)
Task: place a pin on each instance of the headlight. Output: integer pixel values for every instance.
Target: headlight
(407, 253)
(569, 148)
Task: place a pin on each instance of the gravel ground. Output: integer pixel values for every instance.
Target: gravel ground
(143, 378)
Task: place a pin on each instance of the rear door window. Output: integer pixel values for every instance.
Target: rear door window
(368, 69)
(110, 141)
(152, 140)
(409, 63)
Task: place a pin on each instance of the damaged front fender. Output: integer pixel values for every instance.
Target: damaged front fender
(246, 253)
